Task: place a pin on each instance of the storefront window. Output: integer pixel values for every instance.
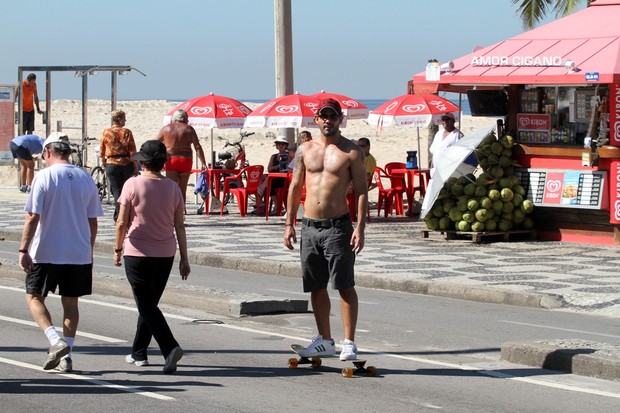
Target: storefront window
(562, 115)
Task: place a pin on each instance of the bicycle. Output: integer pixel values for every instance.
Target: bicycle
(98, 173)
(232, 159)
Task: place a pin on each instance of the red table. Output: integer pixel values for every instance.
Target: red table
(270, 177)
(422, 175)
(214, 175)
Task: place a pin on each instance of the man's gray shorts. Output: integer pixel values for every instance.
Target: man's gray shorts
(326, 253)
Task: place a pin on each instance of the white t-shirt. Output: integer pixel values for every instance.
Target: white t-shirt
(65, 197)
(440, 144)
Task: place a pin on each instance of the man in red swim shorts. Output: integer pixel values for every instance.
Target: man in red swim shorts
(179, 137)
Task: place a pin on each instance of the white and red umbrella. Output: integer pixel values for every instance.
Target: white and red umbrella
(412, 110)
(289, 111)
(212, 111)
(351, 108)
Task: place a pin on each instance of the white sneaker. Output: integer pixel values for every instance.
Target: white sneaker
(140, 363)
(319, 347)
(349, 350)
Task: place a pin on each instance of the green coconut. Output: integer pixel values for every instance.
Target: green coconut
(527, 206)
(481, 214)
(506, 194)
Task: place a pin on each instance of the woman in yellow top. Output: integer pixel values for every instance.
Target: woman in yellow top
(116, 147)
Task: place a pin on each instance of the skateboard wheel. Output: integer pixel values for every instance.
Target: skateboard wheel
(372, 371)
(316, 362)
(347, 372)
(292, 363)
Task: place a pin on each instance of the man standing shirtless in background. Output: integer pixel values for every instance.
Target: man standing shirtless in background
(327, 165)
(179, 137)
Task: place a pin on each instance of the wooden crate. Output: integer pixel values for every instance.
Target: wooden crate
(478, 237)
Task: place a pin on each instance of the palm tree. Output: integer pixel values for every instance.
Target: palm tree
(533, 11)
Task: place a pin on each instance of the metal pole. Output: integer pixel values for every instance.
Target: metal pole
(113, 88)
(20, 105)
(284, 54)
(48, 101)
(84, 115)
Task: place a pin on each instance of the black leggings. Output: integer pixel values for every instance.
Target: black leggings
(148, 277)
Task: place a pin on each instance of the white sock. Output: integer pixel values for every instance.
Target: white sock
(52, 335)
(70, 341)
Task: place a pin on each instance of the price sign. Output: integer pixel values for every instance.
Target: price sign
(569, 189)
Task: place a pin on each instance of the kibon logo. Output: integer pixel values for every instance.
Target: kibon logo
(287, 109)
(554, 186)
(617, 210)
(617, 130)
(413, 108)
(200, 110)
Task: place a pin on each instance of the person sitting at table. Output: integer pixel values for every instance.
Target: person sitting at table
(291, 155)
(273, 166)
(370, 163)
(304, 136)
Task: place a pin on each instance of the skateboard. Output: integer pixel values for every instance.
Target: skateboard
(316, 362)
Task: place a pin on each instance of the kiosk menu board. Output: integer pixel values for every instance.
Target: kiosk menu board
(565, 188)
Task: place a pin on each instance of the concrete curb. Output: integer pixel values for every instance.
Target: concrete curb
(572, 356)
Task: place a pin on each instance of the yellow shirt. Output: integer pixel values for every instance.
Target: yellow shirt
(370, 163)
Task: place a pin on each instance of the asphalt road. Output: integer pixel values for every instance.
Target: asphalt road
(431, 354)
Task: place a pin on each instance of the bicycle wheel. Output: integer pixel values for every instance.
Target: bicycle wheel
(101, 181)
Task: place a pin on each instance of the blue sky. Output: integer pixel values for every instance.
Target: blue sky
(362, 48)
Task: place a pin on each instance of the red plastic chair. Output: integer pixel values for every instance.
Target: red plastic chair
(280, 198)
(387, 195)
(253, 175)
(352, 204)
(398, 184)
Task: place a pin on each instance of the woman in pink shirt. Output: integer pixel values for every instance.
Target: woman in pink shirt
(151, 212)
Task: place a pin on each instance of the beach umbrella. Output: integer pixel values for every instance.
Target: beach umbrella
(412, 110)
(448, 162)
(351, 108)
(288, 111)
(212, 111)
(408, 111)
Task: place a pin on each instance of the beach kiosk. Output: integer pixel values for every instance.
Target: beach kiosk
(557, 90)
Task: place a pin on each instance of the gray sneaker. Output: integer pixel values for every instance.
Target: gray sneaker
(55, 353)
(65, 365)
(172, 360)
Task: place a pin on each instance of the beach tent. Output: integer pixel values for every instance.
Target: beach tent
(583, 47)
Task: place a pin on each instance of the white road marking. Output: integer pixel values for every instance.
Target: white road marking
(91, 380)
(79, 333)
(560, 329)
(464, 367)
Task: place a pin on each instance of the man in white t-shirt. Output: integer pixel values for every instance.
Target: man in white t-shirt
(57, 242)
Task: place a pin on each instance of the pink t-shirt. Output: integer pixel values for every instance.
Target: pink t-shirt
(152, 204)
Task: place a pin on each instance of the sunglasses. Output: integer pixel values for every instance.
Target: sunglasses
(326, 116)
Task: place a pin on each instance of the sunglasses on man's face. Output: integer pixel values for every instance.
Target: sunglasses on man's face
(329, 116)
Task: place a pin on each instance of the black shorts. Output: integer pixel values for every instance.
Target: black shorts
(326, 253)
(71, 280)
(28, 123)
(20, 152)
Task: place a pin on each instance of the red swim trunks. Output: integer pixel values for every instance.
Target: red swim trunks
(180, 165)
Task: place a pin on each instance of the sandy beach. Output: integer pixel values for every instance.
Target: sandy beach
(145, 119)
